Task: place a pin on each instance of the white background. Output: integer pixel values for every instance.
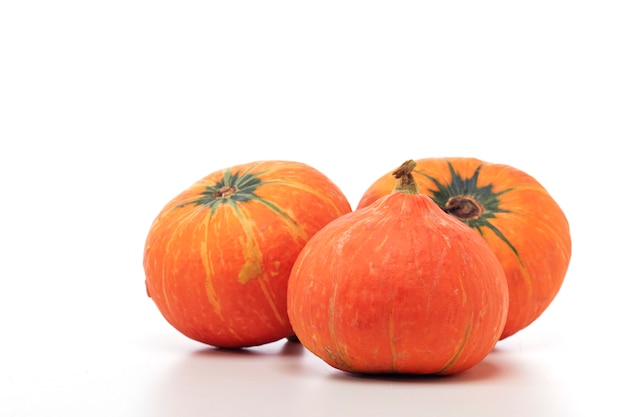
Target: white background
(109, 109)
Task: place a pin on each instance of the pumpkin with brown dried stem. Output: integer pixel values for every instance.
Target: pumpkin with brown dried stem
(398, 287)
(218, 256)
(513, 212)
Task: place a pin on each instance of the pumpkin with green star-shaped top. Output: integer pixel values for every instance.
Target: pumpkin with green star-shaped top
(218, 256)
(514, 213)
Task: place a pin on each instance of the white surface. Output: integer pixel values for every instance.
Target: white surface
(109, 109)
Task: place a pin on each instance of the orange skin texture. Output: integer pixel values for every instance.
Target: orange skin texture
(398, 287)
(533, 223)
(221, 278)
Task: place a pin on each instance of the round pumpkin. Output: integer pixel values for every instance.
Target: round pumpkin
(398, 287)
(513, 212)
(218, 256)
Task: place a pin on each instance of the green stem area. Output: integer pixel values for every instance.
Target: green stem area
(405, 183)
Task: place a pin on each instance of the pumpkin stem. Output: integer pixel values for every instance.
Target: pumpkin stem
(464, 208)
(225, 192)
(405, 183)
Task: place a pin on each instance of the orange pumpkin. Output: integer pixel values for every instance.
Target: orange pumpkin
(513, 212)
(218, 256)
(398, 287)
